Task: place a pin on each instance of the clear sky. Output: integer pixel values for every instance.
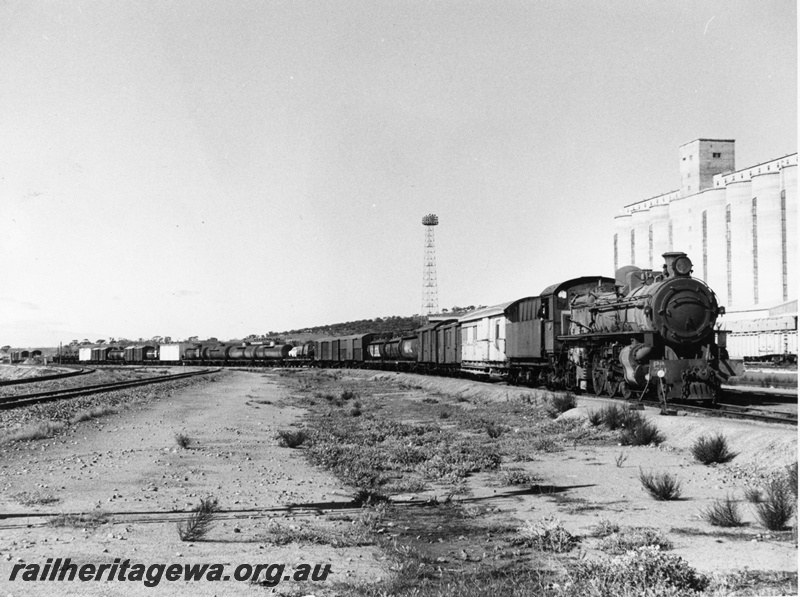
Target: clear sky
(225, 168)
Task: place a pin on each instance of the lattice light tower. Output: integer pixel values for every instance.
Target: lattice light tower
(430, 290)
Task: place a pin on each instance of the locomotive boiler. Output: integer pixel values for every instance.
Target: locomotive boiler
(655, 333)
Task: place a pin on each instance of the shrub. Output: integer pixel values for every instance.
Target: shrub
(662, 486)
(348, 395)
(777, 506)
(200, 521)
(289, 438)
(723, 513)
(560, 403)
(547, 534)
(641, 433)
(182, 440)
(643, 571)
(630, 538)
(712, 449)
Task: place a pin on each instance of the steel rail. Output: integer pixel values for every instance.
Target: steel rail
(75, 373)
(26, 399)
(728, 411)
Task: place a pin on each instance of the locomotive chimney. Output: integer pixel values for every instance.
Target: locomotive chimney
(677, 264)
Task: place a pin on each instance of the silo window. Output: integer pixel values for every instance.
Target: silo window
(716, 155)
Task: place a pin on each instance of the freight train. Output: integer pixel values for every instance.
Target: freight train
(642, 333)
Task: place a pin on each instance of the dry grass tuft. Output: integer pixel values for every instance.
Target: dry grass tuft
(87, 520)
(200, 521)
(182, 440)
(560, 403)
(714, 449)
(290, 438)
(547, 534)
(93, 413)
(661, 486)
(44, 430)
(723, 513)
(777, 506)
(629, 538)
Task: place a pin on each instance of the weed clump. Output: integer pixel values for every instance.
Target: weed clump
(640, 433)
(595, 418)
(604, 528)
(348, 395)
(92, 413)
(642, 571)
(182, 440)
(494, 430)
(547, 534)
(753, 495)
(290, 438)
(709, 450)
(615, 417)
(777, 506)
(516, 476)
(200, 521)
(89, 520)
(661, 486)
(560, 403)
(633, 538)
(723, 513)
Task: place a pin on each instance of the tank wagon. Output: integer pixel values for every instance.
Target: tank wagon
(640, 333)
(194, 353)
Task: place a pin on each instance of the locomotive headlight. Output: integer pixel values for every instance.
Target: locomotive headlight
(661, 373)
(683, 266)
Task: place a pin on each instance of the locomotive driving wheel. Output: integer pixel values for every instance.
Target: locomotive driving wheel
(599, 374)
(626, 390)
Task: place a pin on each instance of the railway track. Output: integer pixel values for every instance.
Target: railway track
(7, 402)
(75, 373)
(730, 411)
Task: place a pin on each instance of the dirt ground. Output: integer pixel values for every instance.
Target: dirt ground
(129, 466)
